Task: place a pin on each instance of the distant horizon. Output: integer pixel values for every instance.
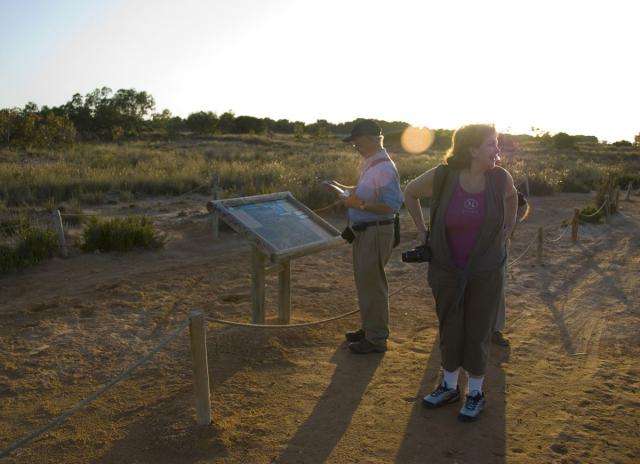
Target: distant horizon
(539, 131)
(434, 64)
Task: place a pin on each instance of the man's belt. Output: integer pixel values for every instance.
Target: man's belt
(360, 226)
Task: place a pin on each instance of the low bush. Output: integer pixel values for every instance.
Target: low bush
(541, 184)
(588, 214)
(582, 178)
(33, 246)
(119, 234)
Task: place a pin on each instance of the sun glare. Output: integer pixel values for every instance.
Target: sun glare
(416, 140)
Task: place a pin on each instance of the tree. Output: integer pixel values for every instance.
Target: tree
(226, 124)
(247, 125)
(202, 122)
(9, 120)
(56, 132)
(562, 141)
(161, 120)
(283, 126)
(298, 129)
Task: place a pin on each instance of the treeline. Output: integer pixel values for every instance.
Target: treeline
(103, 115)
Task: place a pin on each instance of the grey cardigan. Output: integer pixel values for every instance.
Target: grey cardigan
(489, 253)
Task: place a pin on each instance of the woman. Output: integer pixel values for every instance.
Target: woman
(473, 208)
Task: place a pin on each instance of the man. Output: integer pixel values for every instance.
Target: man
(372, 205)
(498, 336)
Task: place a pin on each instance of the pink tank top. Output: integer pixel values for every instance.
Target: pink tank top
(465, 215)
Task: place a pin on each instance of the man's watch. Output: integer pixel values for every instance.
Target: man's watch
(362, 205)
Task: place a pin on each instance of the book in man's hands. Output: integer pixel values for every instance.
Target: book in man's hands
(340, 191)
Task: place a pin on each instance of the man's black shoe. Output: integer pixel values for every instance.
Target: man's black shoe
(364, 346)
(355, 336)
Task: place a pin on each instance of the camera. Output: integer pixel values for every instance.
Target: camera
(419, 254)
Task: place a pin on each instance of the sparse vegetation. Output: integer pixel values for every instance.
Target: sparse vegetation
(119, 234)
(30, 246)
(38, 180)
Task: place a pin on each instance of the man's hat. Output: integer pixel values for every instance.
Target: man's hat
(365, 127)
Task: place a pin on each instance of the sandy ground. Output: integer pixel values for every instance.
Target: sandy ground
(566, 391)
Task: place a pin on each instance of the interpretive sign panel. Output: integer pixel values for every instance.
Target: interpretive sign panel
(280, 225)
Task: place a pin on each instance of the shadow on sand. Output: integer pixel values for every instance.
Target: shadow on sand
(436, 436)
(333, 412)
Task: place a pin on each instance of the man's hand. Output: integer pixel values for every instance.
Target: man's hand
(353, 201)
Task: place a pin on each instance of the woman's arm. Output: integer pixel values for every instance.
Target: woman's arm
(420, 187)
(510, 205)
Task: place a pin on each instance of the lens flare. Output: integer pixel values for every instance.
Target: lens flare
(416, 140)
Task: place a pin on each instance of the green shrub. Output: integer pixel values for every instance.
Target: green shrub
(587, 214)
(36, 245)
(119, 234)
(33, 246)
(8, 259)
(542, 184)
(603, 189)
(580, 178)
(623, 181)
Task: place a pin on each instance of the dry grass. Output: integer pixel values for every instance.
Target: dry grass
(247, 165)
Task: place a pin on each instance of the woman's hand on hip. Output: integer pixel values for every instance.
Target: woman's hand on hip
(421, 237)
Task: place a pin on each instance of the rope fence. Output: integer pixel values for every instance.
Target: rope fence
(604, 203)
(201, 379)
(562, 234)
(99, 392)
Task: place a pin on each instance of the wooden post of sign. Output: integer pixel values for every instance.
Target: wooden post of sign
(198, 336)
(284, 292)
(607, 208)
(59, 228)
(257, 285)
(215, 193)
(540, 241)
(574, 225)
(627, 195)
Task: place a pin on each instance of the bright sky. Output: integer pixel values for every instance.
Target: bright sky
(558, 65)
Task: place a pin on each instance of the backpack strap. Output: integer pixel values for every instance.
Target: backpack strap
(439, 181)
(378, 161)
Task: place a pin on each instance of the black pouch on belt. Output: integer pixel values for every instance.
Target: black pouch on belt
(348, 234)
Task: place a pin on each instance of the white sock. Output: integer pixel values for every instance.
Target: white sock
(475, 384)
(451, 378)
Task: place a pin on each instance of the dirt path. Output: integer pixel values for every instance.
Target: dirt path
(567, 390)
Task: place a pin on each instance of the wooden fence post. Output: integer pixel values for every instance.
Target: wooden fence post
(627, 196)
(616, 196)
(284, 292)
(607, 208)
(540, 242)
(257, 285)
(526, 186)
(574, 225)
(198, 335)
(57, 225)
(215, 193)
